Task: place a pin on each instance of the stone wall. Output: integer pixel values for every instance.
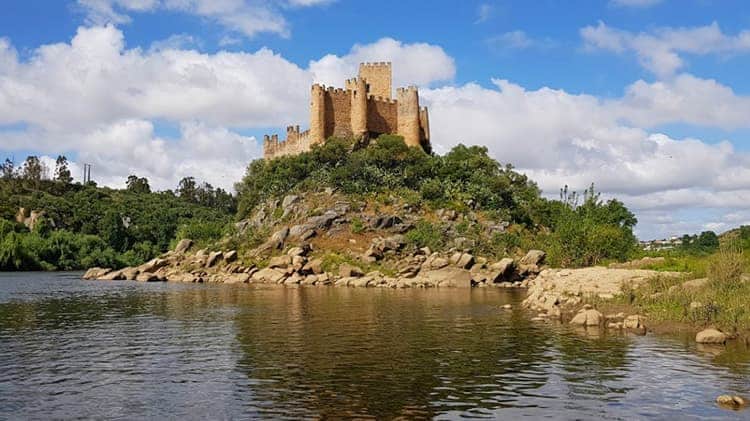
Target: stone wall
(378, 78)
(338, 109)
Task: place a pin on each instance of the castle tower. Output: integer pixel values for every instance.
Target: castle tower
(408, 115)
(378, 77)
(359, 108)
(317, 115)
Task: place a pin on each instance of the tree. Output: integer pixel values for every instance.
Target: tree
(137, 184)
(7, 170)
(62, 172)
(187, 189)
(33, 169)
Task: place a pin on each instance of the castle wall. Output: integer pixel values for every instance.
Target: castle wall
(378, 77)
(338, 109)
(295, 143)
(382, 115)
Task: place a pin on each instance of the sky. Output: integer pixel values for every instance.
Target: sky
(648, 99)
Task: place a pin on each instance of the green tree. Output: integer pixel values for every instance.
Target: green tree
(62, 172)
(137, 184)
(33, 169)
(7, 170)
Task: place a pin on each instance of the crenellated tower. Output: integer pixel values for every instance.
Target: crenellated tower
(365, 108)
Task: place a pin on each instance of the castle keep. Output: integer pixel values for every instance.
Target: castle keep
(364, 108)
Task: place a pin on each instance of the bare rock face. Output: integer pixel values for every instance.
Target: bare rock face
(462, 260)
(502, 271)
(183, 246)
(711, 336)
(153, 265)
(96, 273)
(314, 266)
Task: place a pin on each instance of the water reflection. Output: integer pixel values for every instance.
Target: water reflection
(124, 349)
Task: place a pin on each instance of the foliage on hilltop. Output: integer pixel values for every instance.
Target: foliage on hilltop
(465, 179)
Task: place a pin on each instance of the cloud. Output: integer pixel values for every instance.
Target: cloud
(245, 17)
(97, 101)
(635, 3)
(661, 50)
(558, 138)
(517, 40)
(484, 12)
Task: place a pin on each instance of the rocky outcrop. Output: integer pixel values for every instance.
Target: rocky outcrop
(732, 401)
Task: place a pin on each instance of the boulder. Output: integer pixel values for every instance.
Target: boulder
(153, 265)
(288, 201)
(533, 257)
(297, 231)
(236, 278)
(298, 251)
(634, 322)
(277, 239)
(435, 262)
(147, 277)
(448, 277)
(115, 275)
(282, 262)
(587, 317)
(96, 273)
(695, 283)
(729, 401)
(711, 336)
(462, 260)
(130, 273)
(268, 275)
(314, 266)
(348, 271)
(230, 256)
(503, 270)
(183, 246)
(385, 221)
(214, 258)
(323, 221)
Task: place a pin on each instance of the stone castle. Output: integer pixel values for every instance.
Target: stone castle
(364, 109)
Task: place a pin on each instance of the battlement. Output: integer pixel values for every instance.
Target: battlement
(363, 108)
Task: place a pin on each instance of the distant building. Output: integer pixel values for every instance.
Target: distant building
(363, 109)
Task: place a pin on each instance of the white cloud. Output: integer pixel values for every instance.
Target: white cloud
(517, 40)
(413, 64)
(660, 51)
(484, 12)
(98, 100)
(246, 17)
(635, 3)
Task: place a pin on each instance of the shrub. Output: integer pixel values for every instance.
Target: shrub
(725, 268)
(426, 234)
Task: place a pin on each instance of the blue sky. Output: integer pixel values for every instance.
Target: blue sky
(647, 98)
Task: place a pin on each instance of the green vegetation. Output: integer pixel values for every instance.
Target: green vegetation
(467, 180)
(85, 225)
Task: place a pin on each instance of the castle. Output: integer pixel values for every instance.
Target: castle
(364, 109)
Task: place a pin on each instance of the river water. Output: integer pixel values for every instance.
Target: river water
(87, 349)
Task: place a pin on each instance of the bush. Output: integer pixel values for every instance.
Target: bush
(725, 268)
(426, 234)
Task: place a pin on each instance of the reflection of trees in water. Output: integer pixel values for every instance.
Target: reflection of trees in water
(383, 353)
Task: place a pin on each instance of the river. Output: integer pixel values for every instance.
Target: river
(90, 349)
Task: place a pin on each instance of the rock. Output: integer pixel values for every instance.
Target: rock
(711, 336)
(130, 273)
(507, 307)
(288, 201)
(323, 221)
(695, 283)
(268, 275)
(695, 305)
(236, 278)
(634, 322)
(115, 275)
(297, 231)
(348, 271)
(588, 317)
(314, 266)
(96, 273)
(214, 258)
(449, 277)
(502, 270)
(230, 256)
(183, 246)
(385, 221)
(729, 401)
(282, 261)
(533, 257)
(435, 262)
(147, 277)
(297, 251)
(462, 260)
(277, 239)
(153, 265)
